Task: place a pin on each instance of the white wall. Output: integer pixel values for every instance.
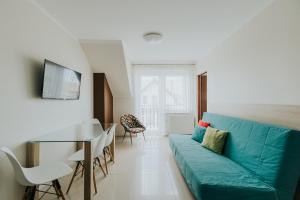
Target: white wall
(122, 105)
(28, 36)
(108, 56)
(255, 73)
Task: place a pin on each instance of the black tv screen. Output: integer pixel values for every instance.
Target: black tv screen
(60, 82)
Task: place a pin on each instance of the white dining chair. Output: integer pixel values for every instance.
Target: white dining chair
(78, 157)
(43, 175)
(95, 121)
(108, 142)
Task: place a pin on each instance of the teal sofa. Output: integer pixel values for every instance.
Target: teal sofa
(259, 162)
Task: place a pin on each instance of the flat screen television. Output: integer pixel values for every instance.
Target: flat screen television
(60, 82)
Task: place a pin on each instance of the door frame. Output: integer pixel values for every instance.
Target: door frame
(202, 94)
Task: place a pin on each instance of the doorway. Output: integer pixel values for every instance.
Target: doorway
(202, 94)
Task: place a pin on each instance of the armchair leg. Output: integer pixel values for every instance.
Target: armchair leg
(144, 136)
(130, 137)
(124, 136)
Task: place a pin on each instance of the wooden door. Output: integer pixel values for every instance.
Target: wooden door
(202, 94)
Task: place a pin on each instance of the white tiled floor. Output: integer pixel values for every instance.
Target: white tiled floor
(144, 170)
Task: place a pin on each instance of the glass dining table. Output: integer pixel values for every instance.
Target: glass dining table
(83, 133)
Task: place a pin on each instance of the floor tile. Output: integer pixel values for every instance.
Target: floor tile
(144, 170)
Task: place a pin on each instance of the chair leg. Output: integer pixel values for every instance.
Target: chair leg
(124, 135)
(32, 193)
(101, 167)
(144, 136)
(110, 154)
(59, 189)
(56, 189)
(104, 153)
(27, 192)
(74, 175)
(130, 137)
(94, 181)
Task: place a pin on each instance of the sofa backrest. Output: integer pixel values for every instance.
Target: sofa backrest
(268, 151)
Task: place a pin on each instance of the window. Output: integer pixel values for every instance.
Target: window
(177, 97)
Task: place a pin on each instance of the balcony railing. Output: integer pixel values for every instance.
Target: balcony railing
(149, 115)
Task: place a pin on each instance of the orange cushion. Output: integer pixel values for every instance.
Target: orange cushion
(203, 123)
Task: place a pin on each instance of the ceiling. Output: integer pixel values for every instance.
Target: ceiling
(191, 28)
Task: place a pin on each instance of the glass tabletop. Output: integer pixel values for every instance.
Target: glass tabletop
(86, 131)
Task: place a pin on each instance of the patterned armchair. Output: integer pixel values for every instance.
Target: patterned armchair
(132, 125)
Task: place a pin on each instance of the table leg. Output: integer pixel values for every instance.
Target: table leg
(79, 145)
(33, 158)
(88, 170)
(32, 154)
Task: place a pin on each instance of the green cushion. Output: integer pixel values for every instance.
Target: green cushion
(198, 134)
(211, 176)
(214, 139)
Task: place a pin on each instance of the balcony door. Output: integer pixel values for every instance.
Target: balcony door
(159, 91)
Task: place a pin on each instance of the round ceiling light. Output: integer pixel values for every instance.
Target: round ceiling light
(152, 37)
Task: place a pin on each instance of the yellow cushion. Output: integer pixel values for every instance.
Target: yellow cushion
(214, 140)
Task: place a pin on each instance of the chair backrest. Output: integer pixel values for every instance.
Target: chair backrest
(95, 121)
(133, 121)
(130, 121)
(138, 122)
(19, 171)
(99, 144)
(123, 121)
(110, 135)
(91, 121)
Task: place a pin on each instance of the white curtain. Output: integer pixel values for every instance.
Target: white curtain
(160, 90)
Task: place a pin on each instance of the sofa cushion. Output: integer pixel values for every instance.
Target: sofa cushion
(214, 140)
(212, 176)
(203, 123)
(198, 134)
(269, 151)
